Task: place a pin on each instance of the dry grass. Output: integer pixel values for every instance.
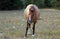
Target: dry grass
(12, 25)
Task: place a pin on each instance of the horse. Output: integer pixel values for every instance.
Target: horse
(31, 14)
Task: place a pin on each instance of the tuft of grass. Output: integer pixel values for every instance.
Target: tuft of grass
(51, 32)
(17, 33)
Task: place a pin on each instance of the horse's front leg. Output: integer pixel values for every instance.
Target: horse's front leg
(28, 26)
(33, 28)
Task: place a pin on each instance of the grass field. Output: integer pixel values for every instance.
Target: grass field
(13, 23)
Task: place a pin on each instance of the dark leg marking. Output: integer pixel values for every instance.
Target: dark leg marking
(28, 26)
(34, 28)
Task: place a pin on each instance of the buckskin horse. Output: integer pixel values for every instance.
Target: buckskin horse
(31, 14)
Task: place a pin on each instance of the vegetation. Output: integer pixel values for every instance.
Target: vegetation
(10, 4)
(13, 25)
(20, 4)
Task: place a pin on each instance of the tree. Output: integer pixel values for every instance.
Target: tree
(39, 3)
(10, 4)
(48, 3)
(53, 3)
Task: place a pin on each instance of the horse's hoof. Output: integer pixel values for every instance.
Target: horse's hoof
(33, 35)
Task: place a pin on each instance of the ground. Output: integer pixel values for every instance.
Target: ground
(13, 24)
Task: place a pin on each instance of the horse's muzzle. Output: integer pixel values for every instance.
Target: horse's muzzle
(30, 20)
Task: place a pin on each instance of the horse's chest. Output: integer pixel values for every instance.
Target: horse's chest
(34, 17)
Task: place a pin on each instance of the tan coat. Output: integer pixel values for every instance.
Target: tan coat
(36, 14)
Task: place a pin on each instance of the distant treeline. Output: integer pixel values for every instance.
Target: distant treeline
(20, 4)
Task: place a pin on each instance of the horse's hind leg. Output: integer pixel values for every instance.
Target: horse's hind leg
(33, 28)
(28, 25)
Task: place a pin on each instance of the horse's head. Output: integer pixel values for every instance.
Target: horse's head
(32, 9)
